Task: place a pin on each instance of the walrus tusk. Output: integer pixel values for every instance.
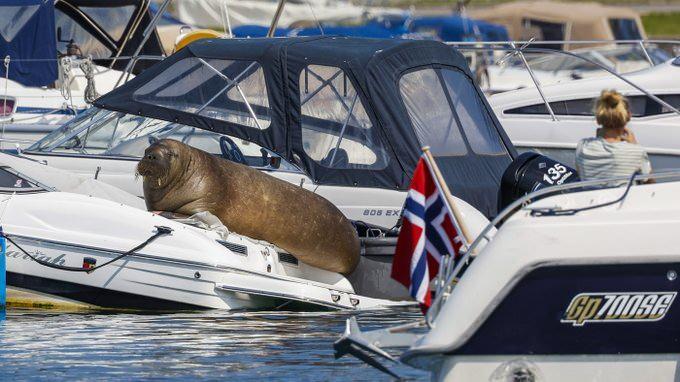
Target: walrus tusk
(253, 204)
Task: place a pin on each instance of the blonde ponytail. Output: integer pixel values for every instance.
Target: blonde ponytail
(612, 110)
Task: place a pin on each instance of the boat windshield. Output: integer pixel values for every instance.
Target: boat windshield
(103, 132)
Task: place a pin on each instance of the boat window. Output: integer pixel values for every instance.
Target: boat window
(13, 19)
(658, 56)
(71, 30)
(113, 20)
(641, 106)
(336, 130)
(69, 129)
(625, 29)
(106, 133)
(543, 31)
(6, 106)
(477, 124)
(227, 90)
(654, 108)
(431, 115)
(10, 181)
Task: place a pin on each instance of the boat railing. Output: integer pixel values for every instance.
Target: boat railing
(447, 279)
(519, 48)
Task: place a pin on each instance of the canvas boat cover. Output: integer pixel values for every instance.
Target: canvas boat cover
(27, 36)
(213, 13)
(575, 21)
(106, 29)
(445, 28)
(347, 111)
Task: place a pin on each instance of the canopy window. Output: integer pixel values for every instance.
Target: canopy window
(227, 90)
(113, 20)
(14, 18)
(477, 124)
(336, 130)
(448, 114)
(70, 30)
(625, 29)
(543, 30)
(431, 114)
(446, 111)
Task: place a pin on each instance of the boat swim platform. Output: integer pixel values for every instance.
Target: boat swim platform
(18, 298)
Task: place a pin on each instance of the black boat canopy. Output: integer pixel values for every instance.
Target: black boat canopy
(107, 29)
(348, 111)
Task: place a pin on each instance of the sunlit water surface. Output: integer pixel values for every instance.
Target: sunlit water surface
(207, 345)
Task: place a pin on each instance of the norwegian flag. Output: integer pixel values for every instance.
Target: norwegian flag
(428, 232)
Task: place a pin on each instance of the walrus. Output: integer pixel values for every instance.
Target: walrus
(181, 179)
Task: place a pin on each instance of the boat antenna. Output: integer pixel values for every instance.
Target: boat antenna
(226, 22)
(275, 20)
(318, 23)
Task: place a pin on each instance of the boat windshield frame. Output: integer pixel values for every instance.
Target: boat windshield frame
(95, 119)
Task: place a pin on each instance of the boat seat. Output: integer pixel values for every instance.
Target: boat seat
(341, 159)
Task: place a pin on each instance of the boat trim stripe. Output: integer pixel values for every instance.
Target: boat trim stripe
(217, 267)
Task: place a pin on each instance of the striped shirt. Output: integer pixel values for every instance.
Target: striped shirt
(598, 159)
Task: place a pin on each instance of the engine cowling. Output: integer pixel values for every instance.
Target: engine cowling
(530, 172)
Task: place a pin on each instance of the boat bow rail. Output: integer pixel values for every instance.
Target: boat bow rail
(367, 345)
(519, 48)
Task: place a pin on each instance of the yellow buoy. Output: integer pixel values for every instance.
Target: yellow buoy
(188, 38)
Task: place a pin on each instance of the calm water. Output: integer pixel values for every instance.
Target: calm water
(208, 345)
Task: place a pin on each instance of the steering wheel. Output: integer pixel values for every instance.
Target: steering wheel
(77, 145)
(230, 151)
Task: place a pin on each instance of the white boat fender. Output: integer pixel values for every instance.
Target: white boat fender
(87, 265)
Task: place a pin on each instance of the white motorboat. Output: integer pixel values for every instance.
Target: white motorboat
(76, 51)
(352, 140)
(98, 245)
(555, 68)
(574, 286)
(528, 122)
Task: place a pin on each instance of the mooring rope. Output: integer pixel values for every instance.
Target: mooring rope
(65, 66)
(160, 231)
(87, 66)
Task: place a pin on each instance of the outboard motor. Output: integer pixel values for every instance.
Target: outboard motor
(530, 172)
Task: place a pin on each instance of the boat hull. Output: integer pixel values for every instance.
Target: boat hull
(134, 282)
(566, 368)
(142, 281)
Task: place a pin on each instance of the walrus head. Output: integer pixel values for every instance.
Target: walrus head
(159, 161)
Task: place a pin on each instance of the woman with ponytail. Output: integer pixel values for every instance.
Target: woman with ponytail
(614, 152)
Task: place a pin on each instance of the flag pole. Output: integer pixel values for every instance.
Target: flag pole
(467, 238)
(458, 222)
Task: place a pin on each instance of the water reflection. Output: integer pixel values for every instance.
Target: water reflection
(213, 345)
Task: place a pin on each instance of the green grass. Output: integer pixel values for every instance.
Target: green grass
(666, 25)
